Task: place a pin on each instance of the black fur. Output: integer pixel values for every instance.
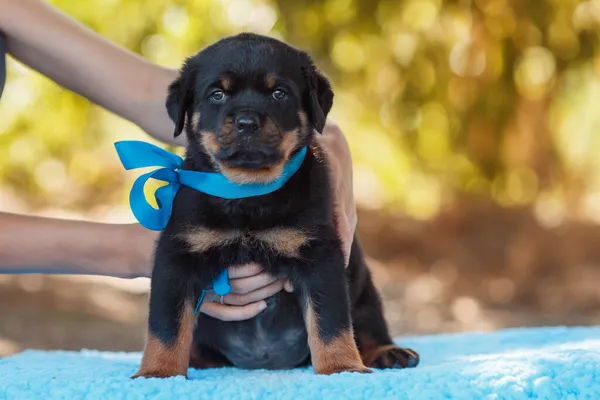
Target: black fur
(277, 337)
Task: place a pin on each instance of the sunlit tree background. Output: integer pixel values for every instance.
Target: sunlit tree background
(473, 128)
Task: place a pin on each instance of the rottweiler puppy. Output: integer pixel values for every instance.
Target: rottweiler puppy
(247, 104)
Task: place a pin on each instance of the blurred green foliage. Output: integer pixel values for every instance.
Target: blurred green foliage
(437, 98)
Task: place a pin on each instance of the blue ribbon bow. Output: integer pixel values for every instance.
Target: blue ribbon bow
(135, 154)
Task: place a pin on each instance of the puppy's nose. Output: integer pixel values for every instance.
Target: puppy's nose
(247, 122)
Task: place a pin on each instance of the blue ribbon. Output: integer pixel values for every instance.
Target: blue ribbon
(135, 154)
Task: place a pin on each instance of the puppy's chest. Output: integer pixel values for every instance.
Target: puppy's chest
(280, 241)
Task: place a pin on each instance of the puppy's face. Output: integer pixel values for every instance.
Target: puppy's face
(249, 102)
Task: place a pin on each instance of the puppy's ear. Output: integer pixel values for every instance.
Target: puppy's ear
(319, 97)
(180, 98)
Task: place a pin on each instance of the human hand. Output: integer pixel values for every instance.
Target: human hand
(250, 286)
(340, 161)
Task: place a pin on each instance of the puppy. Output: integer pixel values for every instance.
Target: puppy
(247, 104)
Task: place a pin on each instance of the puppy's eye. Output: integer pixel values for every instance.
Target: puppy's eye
(218, 96)
(279, 94)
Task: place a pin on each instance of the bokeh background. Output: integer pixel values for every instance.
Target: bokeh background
(473, 128)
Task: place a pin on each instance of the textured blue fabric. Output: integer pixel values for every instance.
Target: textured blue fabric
(542, 363)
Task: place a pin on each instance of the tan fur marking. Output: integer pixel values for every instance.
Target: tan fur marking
(270, 135)
(227, 136)
(270, 81)
(225, 83)
(339, 355)
(209, 142)
(303, 119)
(213, 143)
(244, 176)
(160, 361)
(265, 175)
(201, 239)
(195, 120)
(285, 241)
(289, 143)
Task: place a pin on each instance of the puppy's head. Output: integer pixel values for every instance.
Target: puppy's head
(249, 102)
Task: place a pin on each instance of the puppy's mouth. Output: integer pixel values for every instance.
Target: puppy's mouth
(257, 159)
(249, 164)
(251, 168)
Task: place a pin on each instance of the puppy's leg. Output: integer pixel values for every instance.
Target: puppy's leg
(327, 315)
(376, 346)
(170, 326)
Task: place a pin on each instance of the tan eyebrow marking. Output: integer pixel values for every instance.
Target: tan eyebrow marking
(225, 83)
(270, 81)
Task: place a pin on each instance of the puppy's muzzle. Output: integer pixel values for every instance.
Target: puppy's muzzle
(256, 142)
(247, 122)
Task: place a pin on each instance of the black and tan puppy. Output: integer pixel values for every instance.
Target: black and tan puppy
(247, 104)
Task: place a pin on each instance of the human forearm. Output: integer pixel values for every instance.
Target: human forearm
(44, 245)
(75, 57)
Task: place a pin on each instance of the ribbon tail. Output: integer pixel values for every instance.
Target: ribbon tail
(221, 284)
(150, 217)
(199, 302)
(135, 154)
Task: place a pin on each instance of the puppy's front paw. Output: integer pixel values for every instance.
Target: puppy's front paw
(391, 356)
(157, 374)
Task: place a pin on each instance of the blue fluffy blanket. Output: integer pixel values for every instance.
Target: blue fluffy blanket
(543, 363)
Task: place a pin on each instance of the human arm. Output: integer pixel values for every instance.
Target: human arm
(75, 57)
(31, 244)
